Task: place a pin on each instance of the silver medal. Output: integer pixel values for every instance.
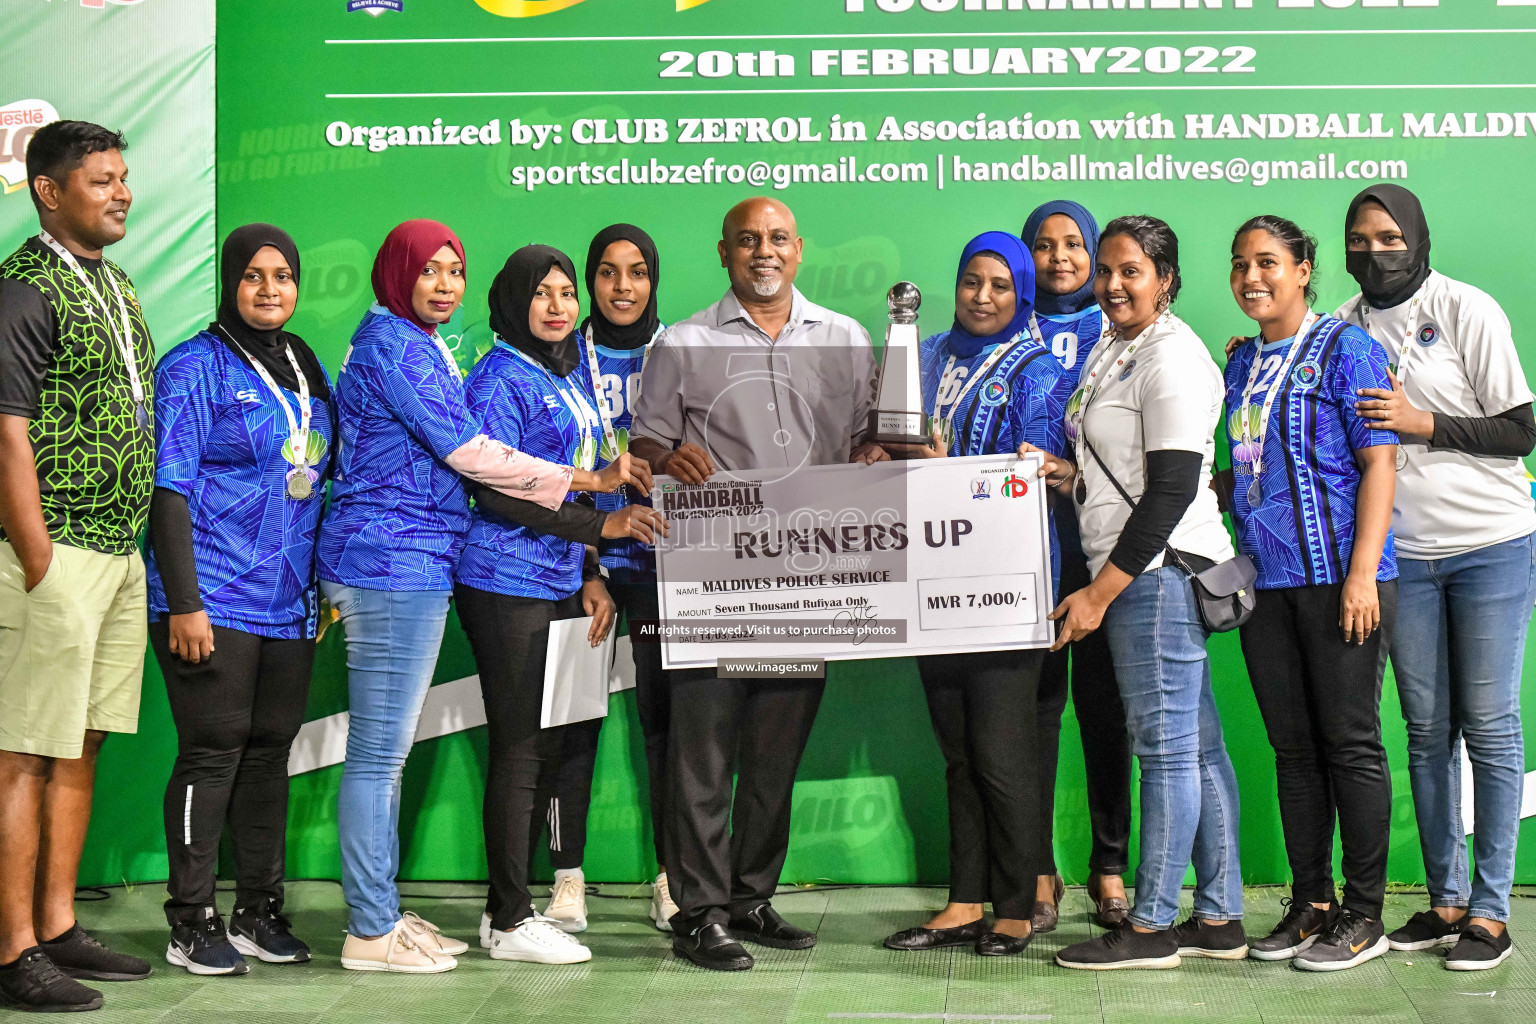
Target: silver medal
(1255, 494)
(1402, 457)
(141, 416)
(299, 486)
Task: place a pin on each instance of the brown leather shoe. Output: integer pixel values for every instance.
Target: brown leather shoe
(1108, 911)
(1045, 915)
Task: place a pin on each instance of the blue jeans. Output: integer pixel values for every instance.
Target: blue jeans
(1457, 653)
(1189, 803)
(392, 643)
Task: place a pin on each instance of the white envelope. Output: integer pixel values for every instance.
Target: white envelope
(575, 674)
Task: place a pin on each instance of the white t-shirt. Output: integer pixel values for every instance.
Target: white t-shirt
(1460, 361)
(1168, 396)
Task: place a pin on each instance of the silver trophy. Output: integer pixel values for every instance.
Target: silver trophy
(898, 414)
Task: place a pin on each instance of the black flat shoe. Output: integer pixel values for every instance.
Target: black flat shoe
(935, 938)
(998, 944)
(763, 925)
(711, 946)
(1045, 915)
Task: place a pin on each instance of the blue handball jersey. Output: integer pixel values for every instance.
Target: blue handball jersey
(398, 512)
(221, 439)
(1023, 398)
(1303, 532)
(521, 404)
(628, 560)
(1071, 336)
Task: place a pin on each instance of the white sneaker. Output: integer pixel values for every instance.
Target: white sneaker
(662, 907)
(485, 931)
(398, 952)
(429, 936)
(567, 906)
(538, 940)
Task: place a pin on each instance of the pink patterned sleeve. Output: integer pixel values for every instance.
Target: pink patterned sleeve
(511, 472)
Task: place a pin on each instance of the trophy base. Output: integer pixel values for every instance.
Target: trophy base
(888, 427)
(900, 439)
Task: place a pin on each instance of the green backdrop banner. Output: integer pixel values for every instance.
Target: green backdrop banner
(896, 130)
(144, 67)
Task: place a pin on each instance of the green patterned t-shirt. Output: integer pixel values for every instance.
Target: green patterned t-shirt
(65, 372)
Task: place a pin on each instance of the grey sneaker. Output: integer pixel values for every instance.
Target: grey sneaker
(1302, 925)
(1351, 941)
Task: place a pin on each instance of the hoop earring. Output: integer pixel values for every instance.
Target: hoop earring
(1162, 303)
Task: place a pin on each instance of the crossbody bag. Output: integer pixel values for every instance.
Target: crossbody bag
(1224, 593)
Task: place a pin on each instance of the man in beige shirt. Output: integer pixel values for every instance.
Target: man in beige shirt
(764, 379)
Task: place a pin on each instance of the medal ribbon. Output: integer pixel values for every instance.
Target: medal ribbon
(600, 393)
(581, 421)
(1408, 332)
(1091, 385)
(1402, 353)
(1276, 383)
(298, 430)
(124, 342)
(985, 368)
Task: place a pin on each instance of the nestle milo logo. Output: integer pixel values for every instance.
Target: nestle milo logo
(335, 279)
(858, 270)
(18, 122)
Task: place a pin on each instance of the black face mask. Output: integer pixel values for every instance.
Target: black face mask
(1386, 278)
(1390, 278)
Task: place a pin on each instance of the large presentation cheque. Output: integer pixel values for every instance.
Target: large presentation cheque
(900, 558)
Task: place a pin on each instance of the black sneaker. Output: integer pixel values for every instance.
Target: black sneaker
(1297, 931)
(1350, 941)
(36, 984)
(1426, 930)
(80, 955)
(1224, 941)
(262, 932)
(1477, 950)
(1122, 949)
(200, 944)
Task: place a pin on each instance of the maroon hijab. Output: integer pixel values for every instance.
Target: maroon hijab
(396, 268)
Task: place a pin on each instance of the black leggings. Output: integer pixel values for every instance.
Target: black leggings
(1321, 702)
(236, 716)
(563, 809)
(983, 711)
(1100, 720)
(509, 637)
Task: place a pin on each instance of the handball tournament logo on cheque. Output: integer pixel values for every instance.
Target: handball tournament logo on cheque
(18, 121)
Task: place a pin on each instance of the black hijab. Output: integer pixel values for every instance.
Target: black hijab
(266, 347)
(1389, 278)
(604, 331)
(512, 296)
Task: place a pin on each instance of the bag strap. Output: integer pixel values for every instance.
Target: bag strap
(1172, 553)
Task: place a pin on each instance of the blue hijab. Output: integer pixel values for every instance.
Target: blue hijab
(1022, 266)
(1060, 305)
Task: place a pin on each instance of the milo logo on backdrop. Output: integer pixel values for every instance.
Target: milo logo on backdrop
(335, 279)
(18, 121)
(534, 8)
(851, 278)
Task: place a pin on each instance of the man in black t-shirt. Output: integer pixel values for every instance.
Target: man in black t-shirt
(77, 461)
